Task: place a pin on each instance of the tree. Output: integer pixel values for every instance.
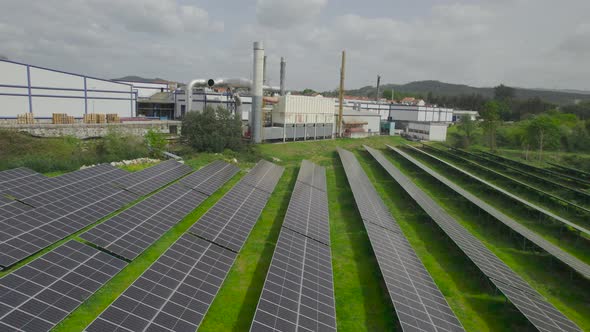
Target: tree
(491, 120)
(503, 92)
(308, 92)
(212, 130)
(468, 129)
(543, 131)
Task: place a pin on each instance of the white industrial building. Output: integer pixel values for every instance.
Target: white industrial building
(427, 131)
(42, 91)
(357, 124)
(420, 113)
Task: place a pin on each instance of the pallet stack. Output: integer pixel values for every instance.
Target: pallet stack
(113, 118)
(26, 118)
(62, 118)
(101, 118)
(90, 118)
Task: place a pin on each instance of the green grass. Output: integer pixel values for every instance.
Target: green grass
(568, 292)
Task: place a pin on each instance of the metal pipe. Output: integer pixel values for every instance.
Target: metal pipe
(341, 96)
(256, 91)
(283, 68)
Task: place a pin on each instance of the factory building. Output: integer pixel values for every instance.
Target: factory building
(427, 131)
(42, 91)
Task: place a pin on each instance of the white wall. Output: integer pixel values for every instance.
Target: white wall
(53, 91)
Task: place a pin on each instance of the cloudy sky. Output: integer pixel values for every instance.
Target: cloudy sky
(528, 43)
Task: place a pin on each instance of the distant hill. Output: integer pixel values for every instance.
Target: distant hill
(560, 97)
(139, 79)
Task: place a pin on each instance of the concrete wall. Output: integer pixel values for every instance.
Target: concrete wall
(83, 130)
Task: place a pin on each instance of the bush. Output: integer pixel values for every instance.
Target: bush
(213, 130)
(156, 143)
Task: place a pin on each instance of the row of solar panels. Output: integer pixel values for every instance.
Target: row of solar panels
(575, 225)
(566, 258)
(178, 286)
(418, 303)
(527, 300)
(176, 291)
(58, 207)
(298, 293)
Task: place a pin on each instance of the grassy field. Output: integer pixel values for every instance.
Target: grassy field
(362, 303)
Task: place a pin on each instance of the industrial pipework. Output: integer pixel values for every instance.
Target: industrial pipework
(256, 91)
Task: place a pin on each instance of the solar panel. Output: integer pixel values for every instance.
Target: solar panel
(22, 176)
(307, 213)
(517, 198)
(150, 179)
(210, 178)
(52, 189)
(229, 222)
(39, 295)
(132, 231)
(538, 240)
(39, 228)
(129, 233)
(298, 293)
(263, 176)
(312, 174)
(174, 293)
(474, 249)
(15, 174)
(418, 303)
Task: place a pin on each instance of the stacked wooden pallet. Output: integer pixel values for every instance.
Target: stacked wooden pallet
(26, 118)
(62, 118)
(90, 118)
(101, 118)
(113, 118)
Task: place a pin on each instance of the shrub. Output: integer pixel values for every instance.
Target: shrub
(156, 143)
(213, 130)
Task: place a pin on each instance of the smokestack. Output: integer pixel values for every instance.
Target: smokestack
(378, 88)
(264, 71)
(283, 68)
(256, 90)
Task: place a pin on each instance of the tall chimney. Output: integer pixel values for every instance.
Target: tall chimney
(264, 71)
(378, 88)
(283, 68)
(256, 90)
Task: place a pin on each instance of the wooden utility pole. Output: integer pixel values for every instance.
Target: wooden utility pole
(341, 95)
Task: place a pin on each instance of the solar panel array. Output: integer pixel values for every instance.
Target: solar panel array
(555, 251)
(56, 188)
(39, 295)
(132, 231)
(229, 222)
(517, 198)
(50, 190)
(419, 304)
(18, 177)
(175, 293)
(16, 173)
(26, 233)
(143, 183)
(298, 293)
(495, 269)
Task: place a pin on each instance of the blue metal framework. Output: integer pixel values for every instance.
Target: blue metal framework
(132, 94)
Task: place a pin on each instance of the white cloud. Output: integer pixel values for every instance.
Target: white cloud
(540, 43)
(287, 13)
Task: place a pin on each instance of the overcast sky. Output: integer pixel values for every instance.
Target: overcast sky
(527, 43)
